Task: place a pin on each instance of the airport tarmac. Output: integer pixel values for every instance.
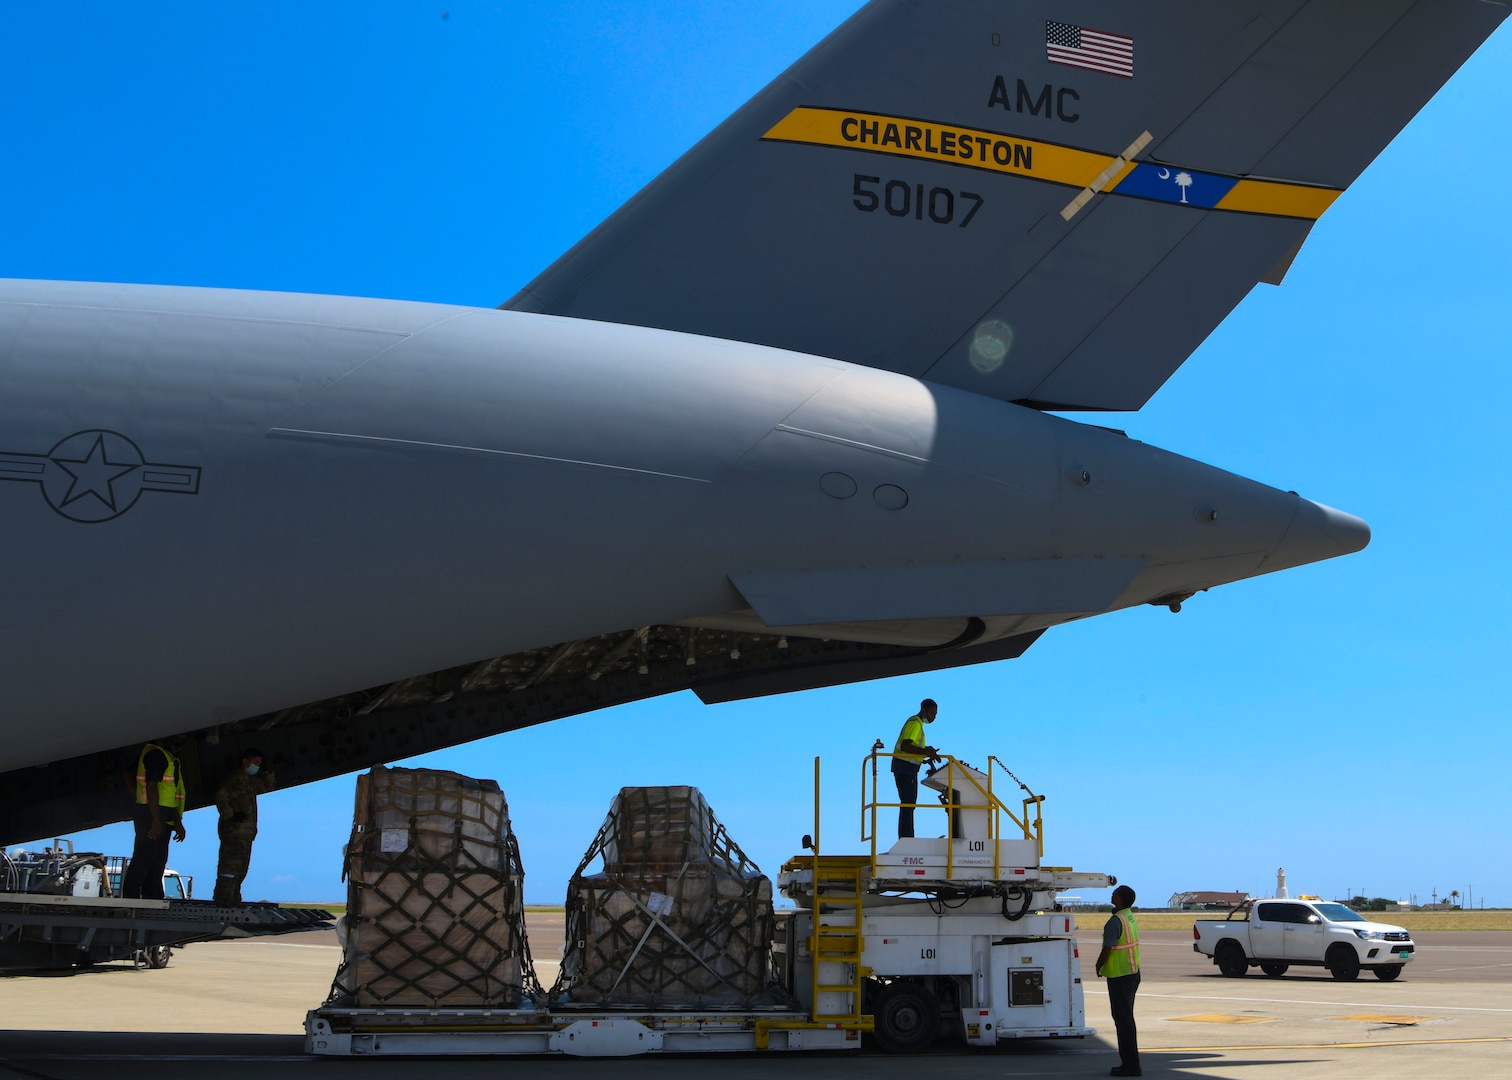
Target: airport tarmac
(236, 1008)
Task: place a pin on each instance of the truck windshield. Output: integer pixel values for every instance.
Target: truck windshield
(1339, 913)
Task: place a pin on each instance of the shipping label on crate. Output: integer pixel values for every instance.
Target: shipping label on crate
(393, 841)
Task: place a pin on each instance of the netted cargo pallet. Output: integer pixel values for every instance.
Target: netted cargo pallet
(435, 906)
(678, 916)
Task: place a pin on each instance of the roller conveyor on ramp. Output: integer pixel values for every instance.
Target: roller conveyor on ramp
(49, 931)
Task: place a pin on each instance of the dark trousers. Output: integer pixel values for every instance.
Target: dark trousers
(149, 858)
(1121, 991)
(906, 773)
(235, 858)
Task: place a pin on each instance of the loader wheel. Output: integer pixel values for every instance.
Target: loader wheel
(1232, 963)
(1343, 963)
(1389, 972)
(907, 1017)
(1275, 971)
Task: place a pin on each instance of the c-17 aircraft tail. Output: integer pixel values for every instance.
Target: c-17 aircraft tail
(1050, 203)
(781, 441)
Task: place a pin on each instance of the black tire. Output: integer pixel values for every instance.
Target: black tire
(1343, 963)
(157, 956)
(1275, 971)
(907, 1018)
(1388, 973)
(1232, 963)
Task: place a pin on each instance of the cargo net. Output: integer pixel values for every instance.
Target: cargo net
(435, 911)
(678, 916)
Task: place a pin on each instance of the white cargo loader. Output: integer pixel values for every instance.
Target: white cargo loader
(933, 936)
(958, 932)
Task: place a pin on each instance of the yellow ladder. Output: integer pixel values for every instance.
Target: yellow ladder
(836, 943)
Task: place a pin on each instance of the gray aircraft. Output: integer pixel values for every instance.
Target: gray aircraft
(782, 421)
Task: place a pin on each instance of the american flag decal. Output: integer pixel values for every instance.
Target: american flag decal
(1081, 47)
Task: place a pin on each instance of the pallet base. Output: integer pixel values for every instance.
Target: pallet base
(336, 1032)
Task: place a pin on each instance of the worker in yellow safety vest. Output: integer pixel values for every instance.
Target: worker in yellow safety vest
(1119, 964)
(158, 811)
(909, 753)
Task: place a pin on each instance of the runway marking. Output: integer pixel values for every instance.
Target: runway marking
(1326, 1045)
(1307, 1001)
(1385, 1018)
(1474, 967)
(1222, 1018)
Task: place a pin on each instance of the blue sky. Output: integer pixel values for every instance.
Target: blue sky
(1346, 720)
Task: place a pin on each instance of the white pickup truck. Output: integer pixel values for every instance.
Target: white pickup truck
(1277, 934)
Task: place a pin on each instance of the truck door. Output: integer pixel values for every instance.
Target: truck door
(1031, 986)
(1266, 931)
(1304, 933)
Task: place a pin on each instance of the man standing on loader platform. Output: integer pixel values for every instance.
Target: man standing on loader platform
(236, 799)
(1119, 964)
(909, 753)
(157, 812)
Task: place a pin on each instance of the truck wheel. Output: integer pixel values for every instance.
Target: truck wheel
(1343, 963)
(1232, 963)
(907, 1017)
(1275, 971)
(157, 956)
(1389, 972)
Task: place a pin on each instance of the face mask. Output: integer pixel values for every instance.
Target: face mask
(252, 770)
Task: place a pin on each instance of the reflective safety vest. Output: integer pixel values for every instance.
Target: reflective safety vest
(1124, 959)
(913, 731)
(170, 789)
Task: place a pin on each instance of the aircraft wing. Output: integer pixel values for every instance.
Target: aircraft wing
(1050, 203)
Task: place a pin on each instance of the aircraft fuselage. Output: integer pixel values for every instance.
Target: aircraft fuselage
(222, 504)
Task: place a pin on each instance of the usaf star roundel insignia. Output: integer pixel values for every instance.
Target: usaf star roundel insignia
(94, 476)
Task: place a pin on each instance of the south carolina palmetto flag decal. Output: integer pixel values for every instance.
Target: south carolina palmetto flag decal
(1094, 50)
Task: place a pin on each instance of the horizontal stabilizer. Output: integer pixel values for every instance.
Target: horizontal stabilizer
(883, 593)
(1050, 203)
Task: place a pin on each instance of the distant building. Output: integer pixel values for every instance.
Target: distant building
(1206, 901)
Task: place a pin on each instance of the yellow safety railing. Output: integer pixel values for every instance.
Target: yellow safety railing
(1031, 823)
(816, 806)
(837, 884)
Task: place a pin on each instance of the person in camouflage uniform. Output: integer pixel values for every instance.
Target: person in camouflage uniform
(236, 799)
